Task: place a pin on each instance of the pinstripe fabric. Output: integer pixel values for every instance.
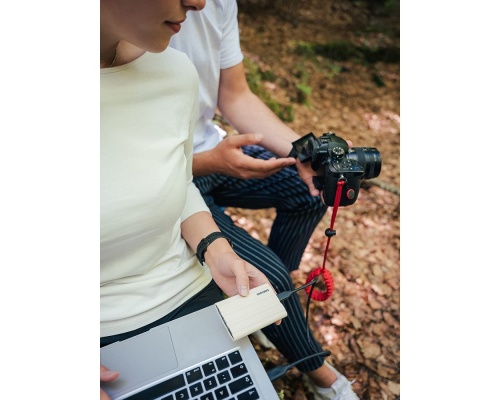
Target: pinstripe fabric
(298, 213)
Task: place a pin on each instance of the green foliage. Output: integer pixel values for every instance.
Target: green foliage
(342, 50)
(254, 78)
(305, 49)
(304, 94)
(337, 50)
(376, 54)
(380, 6)
(391, 5)
(377, 79)
(335, 69)
(268, 76)
(303, 89)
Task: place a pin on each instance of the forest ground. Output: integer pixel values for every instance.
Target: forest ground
(333, 66)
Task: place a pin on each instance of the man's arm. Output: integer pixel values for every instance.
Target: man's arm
(239, 106)
(248, 114)
(256, 124)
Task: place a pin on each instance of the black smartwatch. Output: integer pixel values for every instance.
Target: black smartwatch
(205, 242)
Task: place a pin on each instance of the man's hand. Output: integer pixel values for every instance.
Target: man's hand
(107, 376)
(228, 158)
(306, 173)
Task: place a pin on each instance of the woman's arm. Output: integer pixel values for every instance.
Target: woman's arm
(231, 273)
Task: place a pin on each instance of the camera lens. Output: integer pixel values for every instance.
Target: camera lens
(369, 158)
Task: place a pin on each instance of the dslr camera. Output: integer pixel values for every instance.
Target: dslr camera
(333, 160)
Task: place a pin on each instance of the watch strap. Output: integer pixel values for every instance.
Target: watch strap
(205, 242)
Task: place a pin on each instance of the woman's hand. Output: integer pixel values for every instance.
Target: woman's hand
(233, 274)
(236, 276)
(229, 271)
(107, 376)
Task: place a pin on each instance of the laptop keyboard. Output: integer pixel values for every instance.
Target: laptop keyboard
(224, 378)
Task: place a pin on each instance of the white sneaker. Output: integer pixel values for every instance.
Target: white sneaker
(341, 389)
(262, 339)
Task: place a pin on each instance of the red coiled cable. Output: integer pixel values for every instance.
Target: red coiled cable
(327, 276)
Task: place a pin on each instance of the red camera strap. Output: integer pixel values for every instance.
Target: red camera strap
(327, 276)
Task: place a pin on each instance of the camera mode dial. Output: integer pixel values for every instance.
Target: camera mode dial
(338, 152)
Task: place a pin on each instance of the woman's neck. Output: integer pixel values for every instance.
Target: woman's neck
(108, 55)
(108, 61)
(119, 54)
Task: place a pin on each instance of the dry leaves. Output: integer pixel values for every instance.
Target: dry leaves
(360, 323)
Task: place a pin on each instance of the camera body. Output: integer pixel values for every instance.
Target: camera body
(333, 160)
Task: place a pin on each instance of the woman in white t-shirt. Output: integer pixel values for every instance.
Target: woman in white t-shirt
(153, 217)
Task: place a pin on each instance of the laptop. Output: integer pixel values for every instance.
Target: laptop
(192, 357)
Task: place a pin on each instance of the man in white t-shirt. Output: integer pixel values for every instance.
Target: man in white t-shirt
(253, 170)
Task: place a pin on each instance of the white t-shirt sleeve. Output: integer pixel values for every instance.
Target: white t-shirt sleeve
(194, 200)
(230, 51)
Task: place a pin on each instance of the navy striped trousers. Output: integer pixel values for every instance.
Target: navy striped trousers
(297, 215)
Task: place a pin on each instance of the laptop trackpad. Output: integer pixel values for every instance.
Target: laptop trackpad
(148, 357)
